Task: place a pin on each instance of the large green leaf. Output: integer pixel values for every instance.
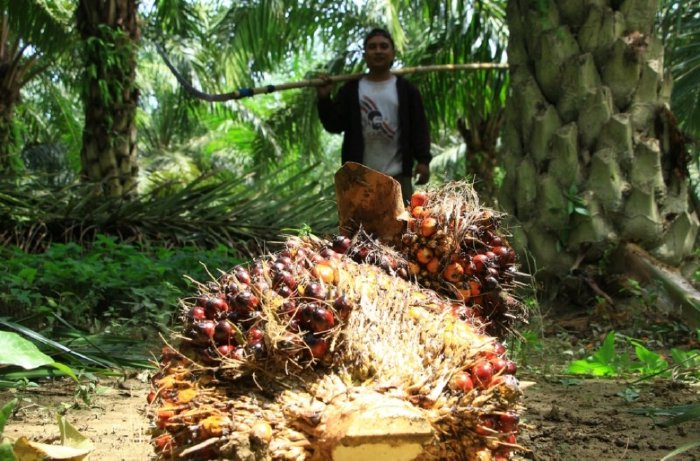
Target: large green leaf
(15, 350)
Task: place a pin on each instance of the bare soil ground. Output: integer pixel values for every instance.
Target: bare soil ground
(565, 418)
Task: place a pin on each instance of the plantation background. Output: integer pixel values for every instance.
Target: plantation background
(119, 189)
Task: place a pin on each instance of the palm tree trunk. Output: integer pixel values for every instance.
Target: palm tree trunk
(13, 67)
(586, 137)
(110, 33)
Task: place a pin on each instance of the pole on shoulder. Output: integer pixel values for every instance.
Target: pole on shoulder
(249, 92)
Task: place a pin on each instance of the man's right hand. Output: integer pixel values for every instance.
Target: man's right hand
(324, 91)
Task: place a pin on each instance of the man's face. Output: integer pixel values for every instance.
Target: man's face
(379, 54)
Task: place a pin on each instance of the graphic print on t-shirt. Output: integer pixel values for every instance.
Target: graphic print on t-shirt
(374, 121)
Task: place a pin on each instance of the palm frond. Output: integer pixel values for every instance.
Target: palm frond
(44, 24)
(233, 210)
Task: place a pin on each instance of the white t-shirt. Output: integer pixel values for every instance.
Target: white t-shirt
(379, 109)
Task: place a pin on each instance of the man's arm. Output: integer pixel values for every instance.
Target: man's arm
(420, 139)
(331, 112)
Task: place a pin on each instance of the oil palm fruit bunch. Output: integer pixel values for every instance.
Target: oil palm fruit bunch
(458, 248)
(306, 354)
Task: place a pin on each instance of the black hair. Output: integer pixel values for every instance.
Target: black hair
(381, 32)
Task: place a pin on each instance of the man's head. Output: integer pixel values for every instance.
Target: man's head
(379, 51)
(377, 32)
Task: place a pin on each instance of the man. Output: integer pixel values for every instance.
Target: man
(382, 117)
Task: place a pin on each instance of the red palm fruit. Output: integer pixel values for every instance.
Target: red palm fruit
(322, 319)
(196, 313)
(327, 253)
(246, 302)
(453, 273)
(433, 265)
(261, 285)
(469, 267)
(413, 268)
(499, 365)
(511, 367)
(490, 283)
(341, 244)
(501, 253)
(474, 287)
(256, 270)
(204, 331)
(284, 291)
(480, 262)
(463, 294)
(317, 345)
(315, 290)
(284, 277)
(343, 307)
(499, 349)
(482, 372)
(242, 274)
(163, 416)
(216, 307)
(424, 255)
(486, 425)
(255, 335)
(223, 332)
(225, 350)
(288, 308)
(164, 443)
(418, 198)
(428, 226)
(285, 259)
(508, 422)
(461, 381)
(417, 212)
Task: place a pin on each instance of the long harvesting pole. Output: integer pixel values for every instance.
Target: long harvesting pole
(248, 92)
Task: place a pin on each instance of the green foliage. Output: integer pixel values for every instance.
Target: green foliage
(6, 453)
(121, 285)
(609, 362)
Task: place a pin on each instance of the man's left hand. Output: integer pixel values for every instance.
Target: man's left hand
(422, 173)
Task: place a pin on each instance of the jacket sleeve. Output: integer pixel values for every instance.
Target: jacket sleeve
(333, 112)
(420, 130)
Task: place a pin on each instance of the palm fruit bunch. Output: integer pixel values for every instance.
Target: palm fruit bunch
(458, 248)
(283, 358)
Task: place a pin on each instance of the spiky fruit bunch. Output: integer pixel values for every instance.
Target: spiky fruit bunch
(270, 352)
(457, 248)
(286, 306)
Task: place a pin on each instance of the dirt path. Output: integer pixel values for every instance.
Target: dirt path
(565, 419)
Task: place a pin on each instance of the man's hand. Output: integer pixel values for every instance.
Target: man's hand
(324, 91)
(422, 173)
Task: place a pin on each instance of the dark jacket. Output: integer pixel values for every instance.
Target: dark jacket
(342, 115)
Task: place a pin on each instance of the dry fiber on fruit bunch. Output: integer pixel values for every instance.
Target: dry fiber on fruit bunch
(458, 248)
(306, 354)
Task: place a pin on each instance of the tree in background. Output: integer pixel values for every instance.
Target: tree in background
(32, 32)
(110, 34)
(591, 148)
